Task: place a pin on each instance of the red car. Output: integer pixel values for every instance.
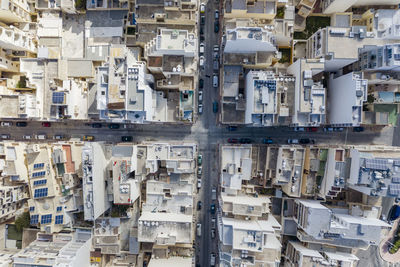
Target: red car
(233, 140)
(46, 124)
(312, 129)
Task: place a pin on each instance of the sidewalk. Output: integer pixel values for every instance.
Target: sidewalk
(384, 246)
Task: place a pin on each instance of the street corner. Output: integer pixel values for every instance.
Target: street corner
(389, 242)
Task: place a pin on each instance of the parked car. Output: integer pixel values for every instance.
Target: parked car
(199, 159)
(312, 129)
(215, 107)
(41, 136)
(216, 48)
(58, 137)
(298, 129)
(201, 49)
(88, 138)
(200, 109)
(5, 136)
(6, 123)
(202, 8)
(212, 208)
(215, 80)
(306, 141)
(338, 129)
(212, 259)
(202, 20)
(232, 128)
(27, 137)
(267, 141)
(21, 124)
(292, 141)
(245, 141)
(200, 96)
(201, 83)
(215, 65)
(198, 229)
(328, 129)
(216, 14)
(201, 33)
(358, 129)
(96, 125)
(216, 27)
(46, 124)
(198, 184)
(199, 205)
(126, 138)
(113, 126)
(233, 140)
(201, 61)
(199, 171)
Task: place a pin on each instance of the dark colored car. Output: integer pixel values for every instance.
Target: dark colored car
(215, 107)
(233, 140)
(199, 205)
(201, 30)
(245, 141)
(267, 141)
(96, 125)
(232, 128)
(306, 141)
(216, 26)
(46, 124)
(21, 124)
(312, 129)
(358, 129)
(212, 208)
(113, 126)
(202, 20)
(201, 83)
(126, 138)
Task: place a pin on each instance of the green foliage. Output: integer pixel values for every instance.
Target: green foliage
(286, 55)
(313, 24)
(370, 99)
(21, 83)
(280, 12)
(396, 242)
(23, 221)
(80, 4)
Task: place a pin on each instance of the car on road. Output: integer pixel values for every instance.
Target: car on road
(200, 108)
(245, 140)
(216, 27)
(199, 159)
(202, 8)
(59, 137)
(212, 208)
(126, 138)
(200, 96)
(113, 126)
(232, 128)
(27, 137)
(216, 14)
(201, 83)
(214, 193)
(41, 136)
(312, 129)
(213, 223)
(201, 33)
(46, 124)
(202, 20)
(21, 124)
(96, 125)
(212, 259)
(358, 129)
(198, 229)
(5, 136)
(199, 171)
(215, 65)
(215, 80)
(215, 107)
(338, 129)
(201, 49)
(298, 129)
(293, 141)
(88, 138)
(212, 233)
(305, 141)
(233, 140)
(198, 183)
(6, 123)
(328, 129)
(267, 141)
(199, 205)
(201, 61)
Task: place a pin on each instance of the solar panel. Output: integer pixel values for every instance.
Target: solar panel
(38, 166)
(38, 174)
(40, 182)
(31, 209)
(396, 180)
(58, 97)
(41, 192)
(394, 189)
(59, 219)
(59, 209)
(45, 219)
(34, 219)
(376, 164)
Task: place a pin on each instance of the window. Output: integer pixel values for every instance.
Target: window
(41, 192)
(31, 209)
(34, 219)
(59, 219)
(46, 219)
(40, 182)
(59, 209)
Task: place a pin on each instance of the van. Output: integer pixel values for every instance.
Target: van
(41, 136)
(215, 81)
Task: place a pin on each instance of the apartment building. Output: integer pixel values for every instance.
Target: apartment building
(249, 9)
(379, 58)
(308, 101)
(12, 11)
(335, 6)
(346, 111)
(71, 249)
(107, 236)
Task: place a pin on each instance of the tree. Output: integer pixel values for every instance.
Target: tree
(23, 221)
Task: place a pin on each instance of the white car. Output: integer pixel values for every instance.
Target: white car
(6, 123)
(202, 8)
(27, 137)
(299, 129)
(200, 108)
(200, 96)
(216, 14)
(198, 184)
(201, 61)
(198, 229)
(199, 171)
(292, 141)
(201, 50)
